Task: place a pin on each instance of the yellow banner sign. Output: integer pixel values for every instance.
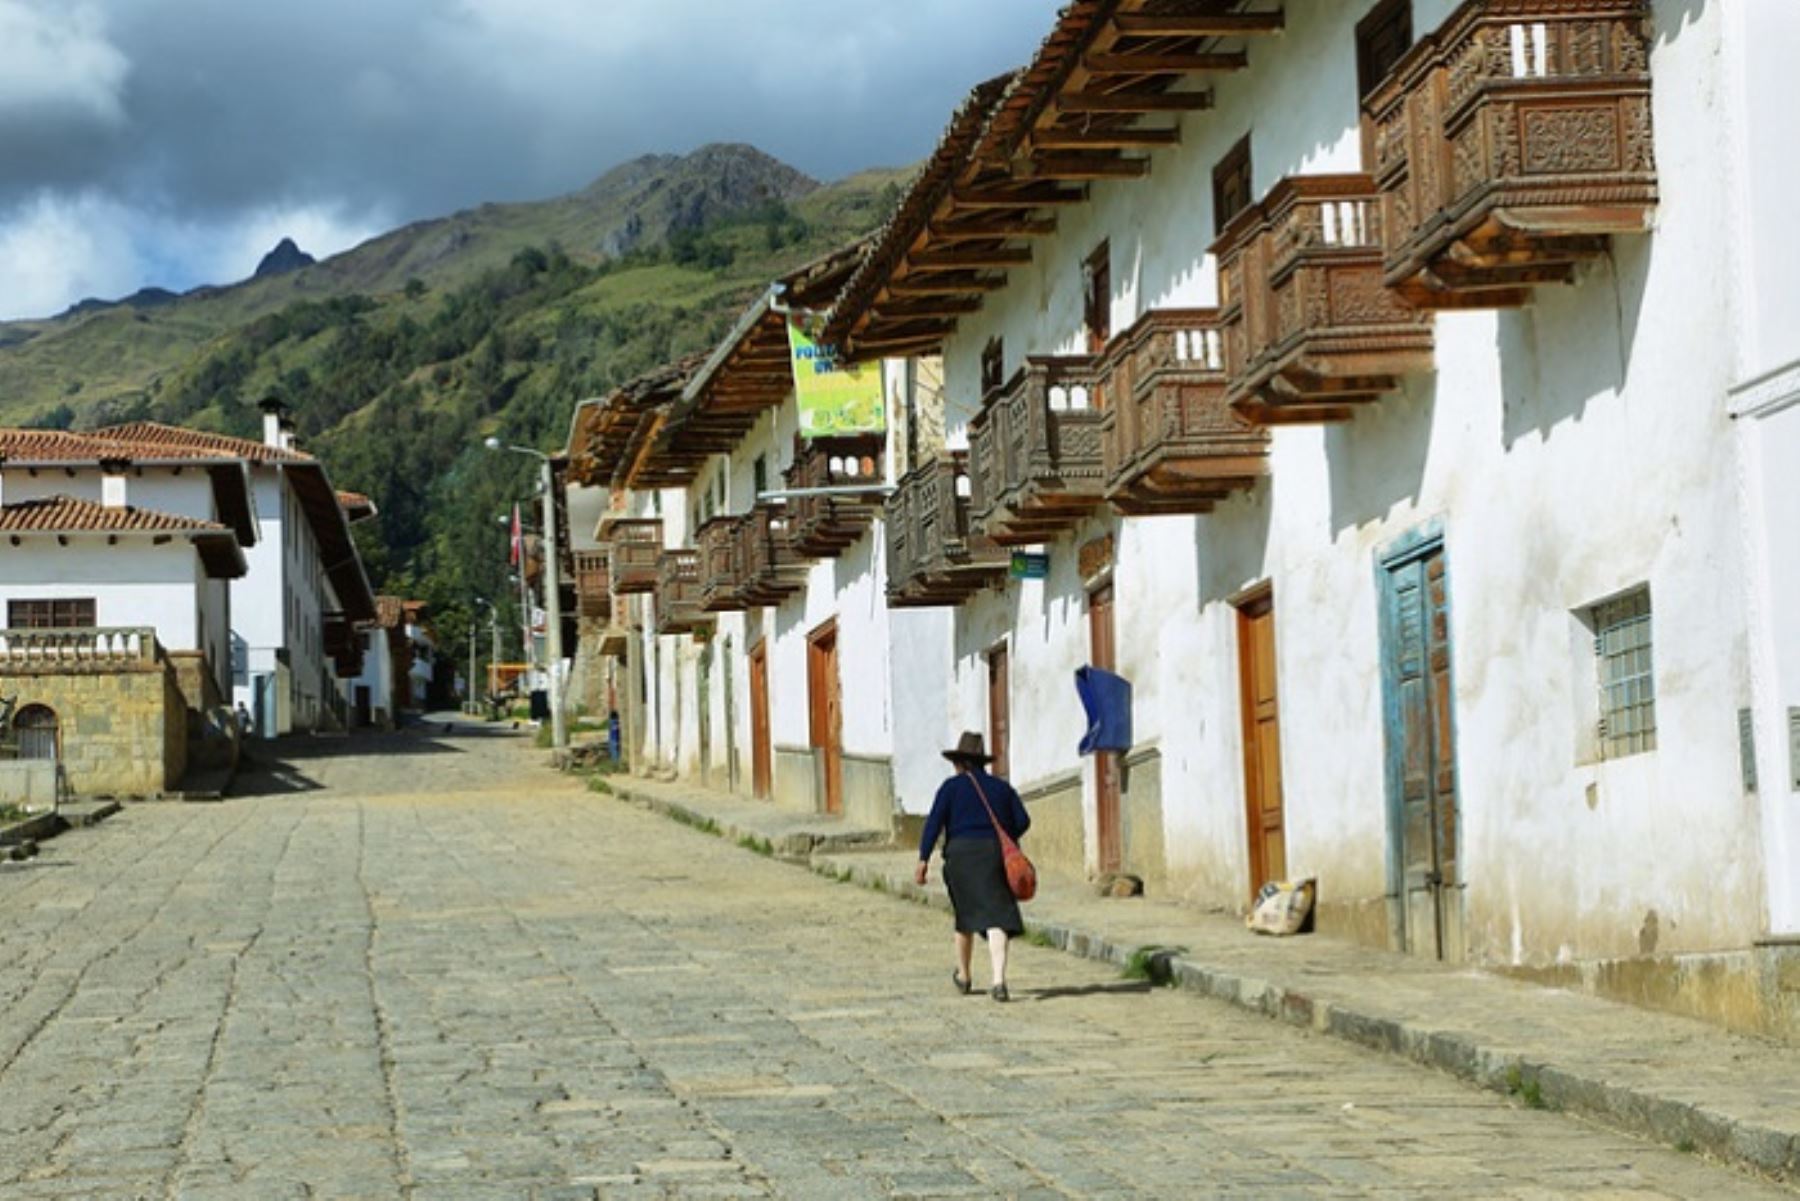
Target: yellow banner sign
(834, 398)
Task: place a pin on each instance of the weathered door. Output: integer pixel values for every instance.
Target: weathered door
(35, 727)
(1103, 653)
(999, 710)
(1264, 813)
(761, 752)
(827, 715)
(704, 701)
(1421, 752)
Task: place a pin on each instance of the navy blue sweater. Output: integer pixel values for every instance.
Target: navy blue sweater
(958, 812)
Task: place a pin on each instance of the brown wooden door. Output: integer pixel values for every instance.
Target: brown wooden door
(1103, 653)
(1422, 754)
(999, 710)
(1262, 741)
(825, 699)
(761, 752)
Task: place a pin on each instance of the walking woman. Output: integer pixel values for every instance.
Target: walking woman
(967, 806)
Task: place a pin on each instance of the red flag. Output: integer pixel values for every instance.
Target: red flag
(516, 554)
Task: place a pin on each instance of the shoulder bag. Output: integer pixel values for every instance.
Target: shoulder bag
(1021, 877)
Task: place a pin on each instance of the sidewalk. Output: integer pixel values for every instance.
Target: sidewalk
(1681, 1082)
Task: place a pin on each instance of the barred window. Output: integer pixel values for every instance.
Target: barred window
(50, 614)
(1627, 679)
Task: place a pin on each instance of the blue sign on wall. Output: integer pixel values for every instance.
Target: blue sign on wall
(1028, 565)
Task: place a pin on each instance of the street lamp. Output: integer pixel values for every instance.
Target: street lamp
(559, 725)
(474, 704)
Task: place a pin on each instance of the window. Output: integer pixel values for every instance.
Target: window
(759, 475)
(993, 366)
(1231, 184)
(35, 727)
(1382, 39)
(1096, 299)
(50, 614)
(1626, 677)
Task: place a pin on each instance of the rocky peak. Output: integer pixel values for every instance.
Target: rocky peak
(284, 258)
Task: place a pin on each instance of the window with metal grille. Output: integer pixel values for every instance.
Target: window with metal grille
(993, 366)
(1096, 301)
(1231, 184)
(50, 614)
(1627, 678)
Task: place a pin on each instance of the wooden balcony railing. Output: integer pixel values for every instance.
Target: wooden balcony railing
(721, 572)
(934, 556)
(1510, 144)
(678, 608)
(772, 568)
(1035, 459)
(342, 643)
(824, 526)
(634, 547)
(1173, 444)
(593, 584)
(1310, 330)
(78, 650)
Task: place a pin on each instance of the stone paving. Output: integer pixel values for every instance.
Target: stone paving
(426, 968)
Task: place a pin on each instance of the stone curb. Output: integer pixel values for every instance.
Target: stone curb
(43, 826)
(1684, 1125)
(796, 847)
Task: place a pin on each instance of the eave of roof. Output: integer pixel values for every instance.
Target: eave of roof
(64, 516)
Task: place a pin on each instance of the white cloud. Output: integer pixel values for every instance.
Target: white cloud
(57, 250)
(56, 55)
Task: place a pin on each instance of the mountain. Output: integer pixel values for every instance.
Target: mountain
(399, 357)
(98, 358)
(284, 258)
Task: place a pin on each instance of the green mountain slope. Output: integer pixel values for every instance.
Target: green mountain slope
(95, 362)
(397, 359)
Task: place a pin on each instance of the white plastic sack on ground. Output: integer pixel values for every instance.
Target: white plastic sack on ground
(1282, 906)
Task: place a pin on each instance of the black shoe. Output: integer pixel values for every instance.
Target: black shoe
(962, 986)
(999, 993)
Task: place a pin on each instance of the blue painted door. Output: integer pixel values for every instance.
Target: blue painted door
(1421, 753)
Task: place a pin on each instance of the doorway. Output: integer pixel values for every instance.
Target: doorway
(999, 669)
(1423, 816)
(35, 728)
(1103, 653)
(825, 702)
(761, 752)
(1265, 816)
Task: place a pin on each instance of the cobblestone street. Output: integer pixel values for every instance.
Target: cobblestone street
(431, 968)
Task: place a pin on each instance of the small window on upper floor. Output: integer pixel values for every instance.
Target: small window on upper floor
(993, 366)
(759, 475)
(1382, 38)
(1231, 184)
(1096, 297)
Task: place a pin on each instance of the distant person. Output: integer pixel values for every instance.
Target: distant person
(242, 716)
(964, 813)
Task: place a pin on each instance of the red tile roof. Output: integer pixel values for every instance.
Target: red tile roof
(57, 446)
(154, 433)
(356, 506)
(390, 612)
(69, 515)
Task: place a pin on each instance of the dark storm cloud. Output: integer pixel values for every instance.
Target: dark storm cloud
(210, 108)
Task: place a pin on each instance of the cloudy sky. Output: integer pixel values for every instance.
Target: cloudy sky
(173, 142)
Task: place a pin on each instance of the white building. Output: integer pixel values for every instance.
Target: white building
(1365, 387)
(305, 592)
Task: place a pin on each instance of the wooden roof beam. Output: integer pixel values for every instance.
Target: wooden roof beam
(1019, 198)
(1089, 167)
(927, 285)
(1136, 102)
(1199, 25)
(1114, 63)
(888, 310)
(989, 228)
(1105, 139)
(970, 257)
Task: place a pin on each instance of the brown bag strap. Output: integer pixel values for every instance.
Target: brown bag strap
(1005, 838)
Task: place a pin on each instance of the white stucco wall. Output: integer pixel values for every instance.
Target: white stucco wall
(1571, 450)
(279, 603)
(132, 583)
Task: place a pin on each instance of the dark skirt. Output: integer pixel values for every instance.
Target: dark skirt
(976, 876)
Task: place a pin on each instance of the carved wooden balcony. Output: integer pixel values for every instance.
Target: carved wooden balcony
(772, 568)
(1310, 329)
(935, 557)
(1510, 144)
(634, 545)
(593, 584)
(822, 527)
(342, 642)
(678, 608)
(721, 569)
(1173, 444)
(1035, 460)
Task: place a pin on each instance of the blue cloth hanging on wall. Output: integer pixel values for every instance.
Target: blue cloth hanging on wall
(1107, 699)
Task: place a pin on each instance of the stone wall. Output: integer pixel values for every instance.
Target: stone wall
(122, 730)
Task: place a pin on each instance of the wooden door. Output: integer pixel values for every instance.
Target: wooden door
(1422, 811)
(761, 751)
(999, 710)
(1265, 816)
(1103, 653)
(825, 699)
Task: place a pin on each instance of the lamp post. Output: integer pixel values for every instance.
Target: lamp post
(473, 705)
(559, 725)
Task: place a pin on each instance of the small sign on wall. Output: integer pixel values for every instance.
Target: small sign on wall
(1030, 565)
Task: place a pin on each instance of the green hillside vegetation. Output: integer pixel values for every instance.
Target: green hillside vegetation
(396, 390)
